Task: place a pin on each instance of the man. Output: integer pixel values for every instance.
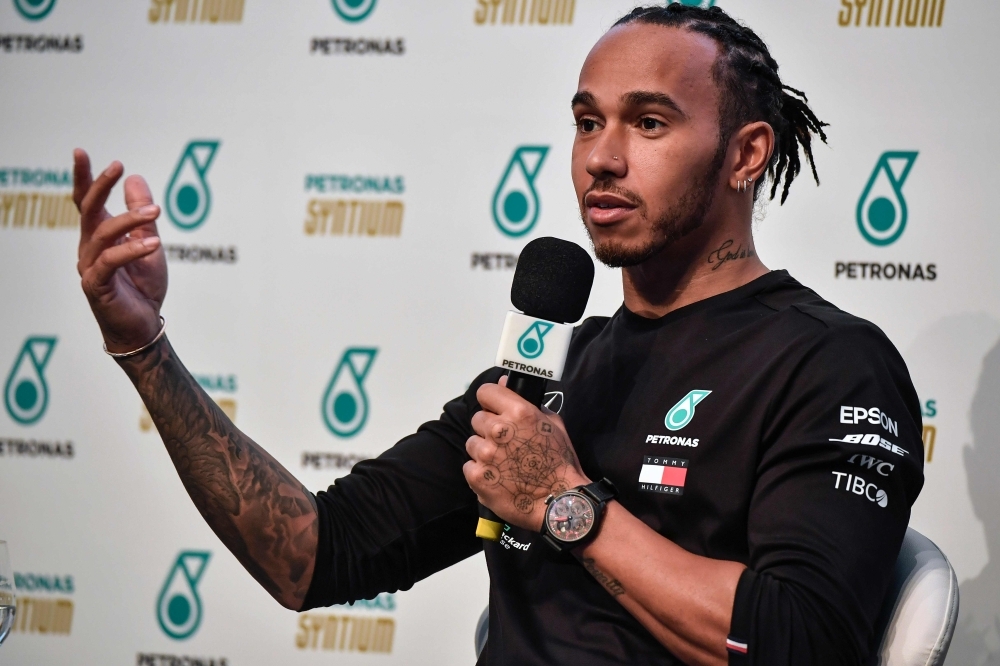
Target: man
(763, 446)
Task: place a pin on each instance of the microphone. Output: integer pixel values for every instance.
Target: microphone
(551, 288)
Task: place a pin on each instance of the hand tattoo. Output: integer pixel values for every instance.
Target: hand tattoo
(612, 585)
(530, 463)
(255, 506)
(724, 254)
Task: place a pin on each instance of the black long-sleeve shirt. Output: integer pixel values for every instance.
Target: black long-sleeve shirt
(762, 425)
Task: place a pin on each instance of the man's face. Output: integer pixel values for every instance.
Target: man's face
(646, 97)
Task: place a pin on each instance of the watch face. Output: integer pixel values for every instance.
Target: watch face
(570, 517)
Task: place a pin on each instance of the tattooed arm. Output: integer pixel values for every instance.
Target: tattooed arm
(255, 506)
(520, 456)
(262, 514)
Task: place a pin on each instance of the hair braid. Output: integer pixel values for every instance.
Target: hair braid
(751, 89)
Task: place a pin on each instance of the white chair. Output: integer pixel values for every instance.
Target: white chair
(917, 618)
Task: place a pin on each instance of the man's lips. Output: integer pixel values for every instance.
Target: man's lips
(607, 208)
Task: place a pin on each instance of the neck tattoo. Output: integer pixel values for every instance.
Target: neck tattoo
(724, 253)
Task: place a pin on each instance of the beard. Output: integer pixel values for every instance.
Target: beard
(681, 218)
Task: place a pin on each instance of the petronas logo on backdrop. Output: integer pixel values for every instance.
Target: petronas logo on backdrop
(515, 203)
(882, 212)
(345, 404)
(178, 608)
(353, 11)
(693, 3)
(189, 198)
(26, 395)
(34, 10)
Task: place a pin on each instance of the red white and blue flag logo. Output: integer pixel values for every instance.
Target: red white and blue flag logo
(663, 475)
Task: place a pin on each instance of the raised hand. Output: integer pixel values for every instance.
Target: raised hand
(122, 266)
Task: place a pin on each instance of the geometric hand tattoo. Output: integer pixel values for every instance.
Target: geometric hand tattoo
(529, 463)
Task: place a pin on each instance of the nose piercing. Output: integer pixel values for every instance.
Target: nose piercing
(614, 157)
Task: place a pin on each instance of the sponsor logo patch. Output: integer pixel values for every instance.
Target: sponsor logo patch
(663, 475)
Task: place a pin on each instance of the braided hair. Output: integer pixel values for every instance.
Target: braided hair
(750, 88)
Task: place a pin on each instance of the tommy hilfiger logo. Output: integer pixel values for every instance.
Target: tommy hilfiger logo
(663, 475)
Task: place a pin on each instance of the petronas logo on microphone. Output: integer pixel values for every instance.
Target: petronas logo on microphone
(189, 199)
(345, 403)
(515, 203)
(26, 395)
(531, 344)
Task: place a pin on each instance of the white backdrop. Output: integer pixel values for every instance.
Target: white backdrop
(339, 196)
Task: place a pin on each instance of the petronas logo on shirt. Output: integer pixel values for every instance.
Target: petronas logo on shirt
(515, 202)
(26, 395)
(189, 198)
(345, 404)
(353, 11)
(882, 211)
(178, 608)
(682, 413)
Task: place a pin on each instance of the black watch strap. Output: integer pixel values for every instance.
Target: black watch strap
(602, 491)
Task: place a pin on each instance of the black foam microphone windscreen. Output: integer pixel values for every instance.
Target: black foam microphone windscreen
(552, 280)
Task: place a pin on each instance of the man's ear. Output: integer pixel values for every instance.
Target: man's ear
(750, 151)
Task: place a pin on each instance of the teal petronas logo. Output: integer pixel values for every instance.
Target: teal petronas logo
(515, 203)
(178, 608)
(188, 196)
(34, 10)
(882, 212)
(353, 11)
(682, 413)
(693, 3)
(345, 404)
(531, 344)
(26, 394)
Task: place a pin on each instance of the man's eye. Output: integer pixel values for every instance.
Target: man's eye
(587, 125)
(650, 123)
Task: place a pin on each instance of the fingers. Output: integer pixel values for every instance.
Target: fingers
(499, 399)
(480, 449)
(82, 178)
(113, 258)
(112, 229)
(138, 195)
(92, 204)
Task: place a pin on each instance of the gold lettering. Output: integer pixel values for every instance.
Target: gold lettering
(43, 616)
(928, 436)
(912, 17)
(543, 11)
(563, 13)
(393, 220)
(330, 633)
(155, 11)
(313, 217)
(302, 638)
(20, 207)
(479, 16)
(232, 11)
(940, 15)
(844, 17)
(228, 407)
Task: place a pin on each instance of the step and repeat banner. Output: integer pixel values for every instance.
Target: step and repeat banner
(346, 186)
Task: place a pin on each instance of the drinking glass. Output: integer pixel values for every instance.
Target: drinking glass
(6, 592)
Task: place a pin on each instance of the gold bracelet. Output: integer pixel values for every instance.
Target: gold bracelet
(163, 328)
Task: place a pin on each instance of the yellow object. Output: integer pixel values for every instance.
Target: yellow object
(489, 529)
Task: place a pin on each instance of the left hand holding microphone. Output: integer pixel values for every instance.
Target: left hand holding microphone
(520, 456)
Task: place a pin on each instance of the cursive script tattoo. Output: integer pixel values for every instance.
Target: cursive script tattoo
(530, 464)
(612, 585)
(724, 254)
(255, 506)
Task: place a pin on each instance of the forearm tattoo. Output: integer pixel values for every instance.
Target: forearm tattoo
(259, 510)
(610, 584)
(530, 463)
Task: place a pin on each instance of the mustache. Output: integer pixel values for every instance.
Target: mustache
(610, 187)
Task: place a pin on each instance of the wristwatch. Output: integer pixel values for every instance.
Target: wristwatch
(572, 517)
